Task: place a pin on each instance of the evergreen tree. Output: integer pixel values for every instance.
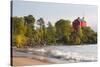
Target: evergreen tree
(29, 22)
(50, 35)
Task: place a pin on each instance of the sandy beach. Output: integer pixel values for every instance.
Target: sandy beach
(21, 59)
(24, 61)
(36, 56)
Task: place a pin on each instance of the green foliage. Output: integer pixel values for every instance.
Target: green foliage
(36, 37)
(79, 32)
(20, 40)
(24, 33)
(63, 30)
(29, 22)
(18, 26)
(77, 40)
(40, 22)
(18, 31)
(42, 31)
(89, 36)
(29, 19)
(50, 35)
(78, 36)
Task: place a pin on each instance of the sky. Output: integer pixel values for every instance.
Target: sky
(55, 11)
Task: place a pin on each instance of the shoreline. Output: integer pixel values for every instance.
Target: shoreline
(58, 45)
(25, 61)
(36, 56)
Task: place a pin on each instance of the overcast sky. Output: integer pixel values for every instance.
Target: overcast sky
(54, 11)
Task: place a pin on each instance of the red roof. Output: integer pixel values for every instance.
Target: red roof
(79, 22)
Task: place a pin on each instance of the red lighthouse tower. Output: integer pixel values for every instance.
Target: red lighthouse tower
(79, 23)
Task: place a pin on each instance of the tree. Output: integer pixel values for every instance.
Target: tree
(18, 26)
(89, 36)
(42, 31)
(79, 35)
(29, 19)
(36, 37)
(18, 31)
(63, 30)
(50, 35)
(29, 22)
(24, 32)
(77, 40)
(20, 40)
(40, 22)
(79, 32)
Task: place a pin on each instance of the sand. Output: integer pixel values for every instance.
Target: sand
(24, 61)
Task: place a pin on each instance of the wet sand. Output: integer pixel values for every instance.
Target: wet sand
(20, 59)
(24, 61)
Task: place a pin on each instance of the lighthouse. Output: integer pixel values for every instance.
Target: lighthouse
(79, 22)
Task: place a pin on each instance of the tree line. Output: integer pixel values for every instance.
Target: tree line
(26, 33)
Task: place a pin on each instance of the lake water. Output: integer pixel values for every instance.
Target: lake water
(79, 53)
(66, 54)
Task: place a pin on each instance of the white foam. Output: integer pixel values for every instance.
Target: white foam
(41, 50)
(71, 56)
(66, 54)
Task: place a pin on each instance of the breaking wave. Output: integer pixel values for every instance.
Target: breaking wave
(70, 56)
(61, 54)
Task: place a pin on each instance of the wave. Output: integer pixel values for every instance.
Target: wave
(58, 55)
(70, 56)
